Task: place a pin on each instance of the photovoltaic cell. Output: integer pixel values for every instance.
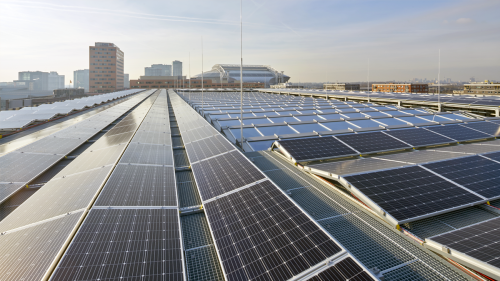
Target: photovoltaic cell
(261, 235)
(135, 185)
(491, 129)
(148, 154)
(476, 173)
(355, 166)
(479, 241)
(27, 254)
(495, 156)
(224, 173)
(410, 192)
(316, 148)
(419, 137)
(162, 137)
(458, 132)
(208, 147)
(372, 142)
(125, 244)
(52, 145)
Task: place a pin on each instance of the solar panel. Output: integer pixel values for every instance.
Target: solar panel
(342, 168)
(107, 140)
(23, 167)
(411, 192)
(52, 145)
(148, 154)
(419, 137)
(155, 137)
(57, 197)
(346, 269)
(479, 241)
(315, 148)
(420, 156)
(491, 129)
(469, 149)
(261, 235)
(208, 147)
(372, 142)
(125, 244)
(137, 185)
(494, 156)
(476, 173)
(458, 132)
(27, 254)
(224, 173)
(7, 189)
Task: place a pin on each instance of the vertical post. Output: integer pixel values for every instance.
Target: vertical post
(369, 80)
(189, 76)
(202, 84)
(439, 81)
(241, 71)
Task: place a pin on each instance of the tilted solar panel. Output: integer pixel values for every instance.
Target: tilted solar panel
(316, 148)
(411, 192)
(372, 142)
(476, 173)
(419, 137)
(491, 129)
(458, 132)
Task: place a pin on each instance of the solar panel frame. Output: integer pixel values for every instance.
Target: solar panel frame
(299, 150)
(396, 208)
(372, 142)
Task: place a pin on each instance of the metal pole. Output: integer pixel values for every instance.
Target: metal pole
(369, 80)
(189, 76)
(202, 86)
(439, 81)
(241, 70)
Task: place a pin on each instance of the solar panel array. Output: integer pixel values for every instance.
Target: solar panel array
(267, 117)
(46, 221)
(22, 165)
(477, 243)
(260, 234)
(413, 185)
(133, 230)
(467, 100)
(16, 119)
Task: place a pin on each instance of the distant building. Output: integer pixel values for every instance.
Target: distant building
(81, 79)
(56, 81)
(34, 80)
(286, 86)
(176, 68)
(158, 70)
(401, 88)
(106, 68)
(166, 82)
(342, 87)
(228, 73)
(126, 81)
(482, 88)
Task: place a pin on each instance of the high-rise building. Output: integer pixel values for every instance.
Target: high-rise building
(158, 70)
(81, 79)
(126, 84)
(177, 68)
(34, 80)
(106, 62)
(56, 81)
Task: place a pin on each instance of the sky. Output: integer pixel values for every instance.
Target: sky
(310, 40)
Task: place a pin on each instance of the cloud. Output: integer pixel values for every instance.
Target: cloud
(465, 21)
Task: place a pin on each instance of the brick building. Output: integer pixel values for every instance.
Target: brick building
(106, 62)
(401, 88)
(170, 82)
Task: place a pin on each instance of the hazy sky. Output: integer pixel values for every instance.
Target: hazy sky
(311, 41)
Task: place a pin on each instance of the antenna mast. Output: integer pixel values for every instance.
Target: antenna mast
(439, 81)
(202, 84)
(241, 70)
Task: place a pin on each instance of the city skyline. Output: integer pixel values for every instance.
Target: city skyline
(311, 42)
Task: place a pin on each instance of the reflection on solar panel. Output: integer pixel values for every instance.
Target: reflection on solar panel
(420, 156)
(411, 192)
(347, 269)
(342, 168)
(137, 185)
(491, 129)
(262, 235)
(208, 147)
(125, 244)
(476, 173)
(419, 137)
(315, 148)
(372, 142)
(224, 173)
(28, 253)
(148, 154)
(479, 241)
(458, 132)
